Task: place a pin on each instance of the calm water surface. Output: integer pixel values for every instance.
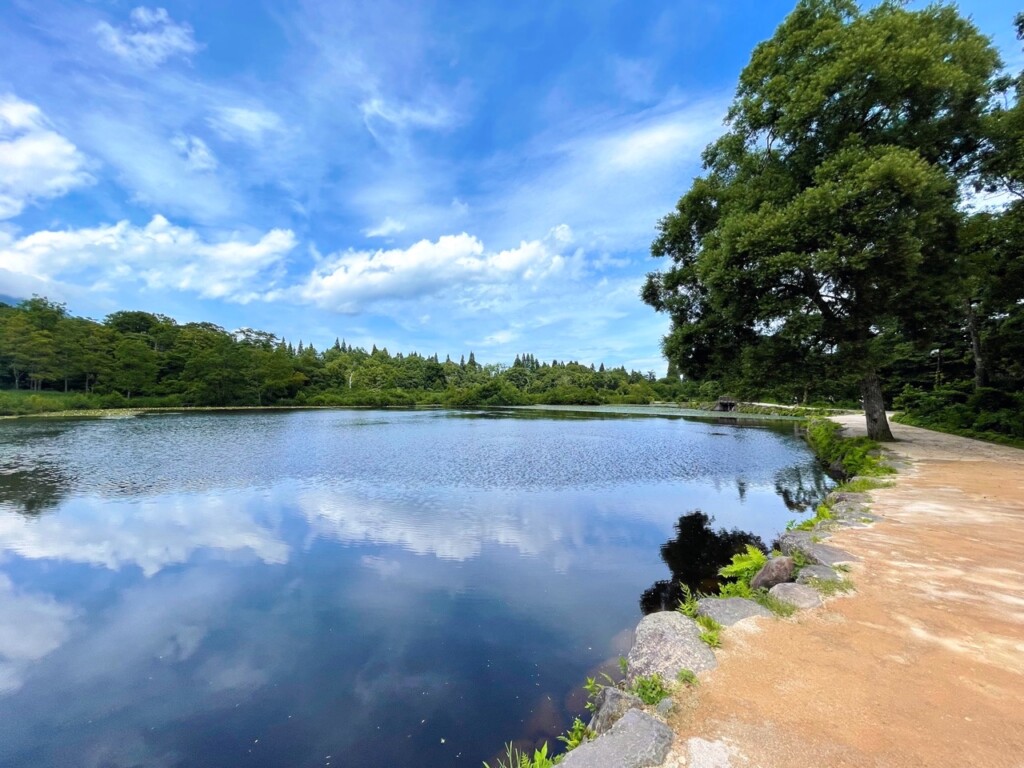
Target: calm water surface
(342, 587)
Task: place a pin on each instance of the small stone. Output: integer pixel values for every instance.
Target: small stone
(776, 571)
(636, 741)
(707, 754)
(798, 595)
(666, 643)
(728, 610)
(665, 707)
(816, 573)
(610, 705)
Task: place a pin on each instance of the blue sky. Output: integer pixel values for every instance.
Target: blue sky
(429, 176)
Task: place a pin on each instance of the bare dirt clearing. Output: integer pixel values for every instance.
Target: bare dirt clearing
(923, 665)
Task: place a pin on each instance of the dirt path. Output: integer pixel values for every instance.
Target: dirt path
(923, 665)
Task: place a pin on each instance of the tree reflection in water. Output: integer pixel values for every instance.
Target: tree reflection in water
(32, 492)
(694, 557)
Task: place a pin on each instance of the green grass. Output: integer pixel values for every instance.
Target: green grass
(778, 607)
(831, 587)
(688, 678)
(861, 485)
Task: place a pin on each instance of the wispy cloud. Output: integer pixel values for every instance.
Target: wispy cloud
(150, 38)
(196, 153)
(243, 124)
(36, 162)
(386, 228)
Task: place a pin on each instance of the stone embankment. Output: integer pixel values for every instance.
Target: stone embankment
(923, 665)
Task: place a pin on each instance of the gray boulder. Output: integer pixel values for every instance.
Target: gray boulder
(666, 643)
(728, 610)
(798, 595)
(823, 554)
(816, 573)
(611, 704)
(776, 571)
(636, 741)
(817, 553)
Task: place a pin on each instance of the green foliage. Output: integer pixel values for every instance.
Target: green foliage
(593, 687)
(688, 678)
(986, 414)
(516, 758)
(710, 631)
(745, 565)
(821, 514)
(688, 603)
(799, 559)
(734, 589)
(576, 735)
(848, 456)
(650, 689)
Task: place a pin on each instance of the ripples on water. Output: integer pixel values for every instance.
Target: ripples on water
(389, 588)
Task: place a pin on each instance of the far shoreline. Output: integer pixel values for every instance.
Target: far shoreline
(760, 412)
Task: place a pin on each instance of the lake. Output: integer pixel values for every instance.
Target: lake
(332, 587)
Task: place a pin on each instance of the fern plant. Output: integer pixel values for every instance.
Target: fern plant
(688, 605)
(709, 631)
(745, 565)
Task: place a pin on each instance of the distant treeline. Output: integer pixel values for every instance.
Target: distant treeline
(143, 359)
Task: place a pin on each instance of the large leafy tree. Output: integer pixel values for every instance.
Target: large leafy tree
(827, 215)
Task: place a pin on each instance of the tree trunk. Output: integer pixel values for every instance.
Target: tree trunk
(980, 368)
(874, 408)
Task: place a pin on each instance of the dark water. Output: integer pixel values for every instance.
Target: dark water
(353, 588)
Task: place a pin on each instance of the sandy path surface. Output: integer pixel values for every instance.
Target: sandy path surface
(922, 666)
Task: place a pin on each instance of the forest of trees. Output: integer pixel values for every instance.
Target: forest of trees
(839, 243)
(142, 359)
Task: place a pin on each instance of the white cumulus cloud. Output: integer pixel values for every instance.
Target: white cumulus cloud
(149, 535)
(161, 255)
(33, 626)
(36, 162)
(151, 38)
